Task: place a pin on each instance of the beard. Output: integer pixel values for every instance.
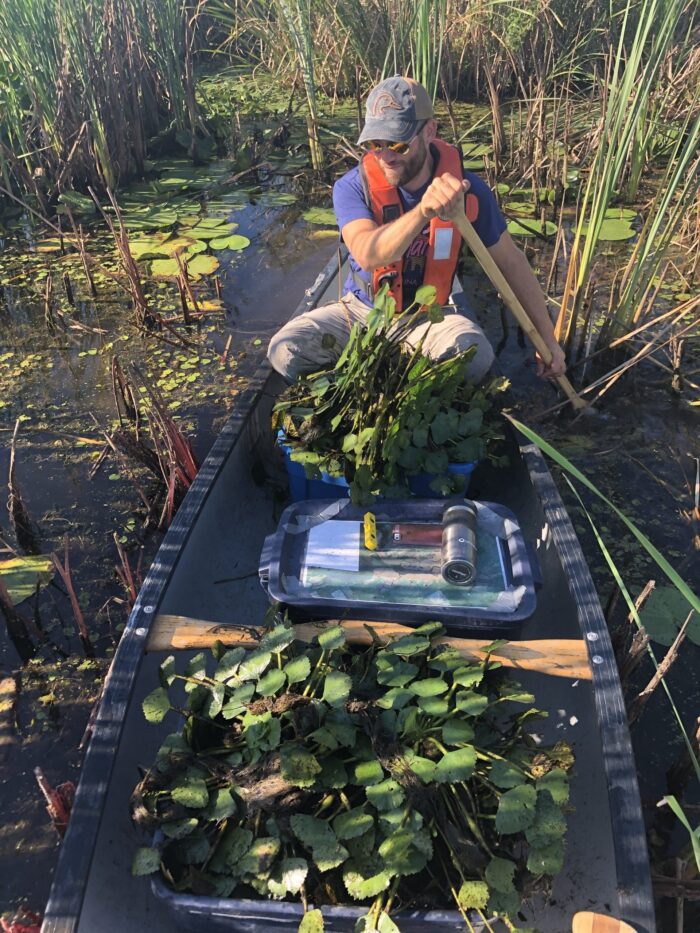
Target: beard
(406, 167)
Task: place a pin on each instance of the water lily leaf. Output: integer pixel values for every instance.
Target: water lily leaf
(271, 682)
(663, 614)
(320, 215)
(611, 230)
(145, 861)
(548, 860)
(331, 638)
(21, 575)
(531, 227)
(276, 640)
(431, 687)
(434, 706)
(156, 705)
(165, 268)
(456, 766)
(178, 829)
(299, 766)
(505, 775)
(365, 879)
(457, 732)
(620, 213)
(386, 795)
(471, 703)
(516, 809)
(352, 823)
(260, 856)
(499, 874)
(237, 702)
(222, 804)
(235, 842)
(368, 773)
(228, 664)
(468, 676)
(556, 782)
(191, 791)
(254, 665)
(473, 895)
(336, 688)
(318, 836)
(311, 922)
(202, 265)
(207, 232)
(288, 877)
(235, 242)
(298, 669)
(78, 203)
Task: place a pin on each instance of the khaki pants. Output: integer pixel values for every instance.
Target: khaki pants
(299, 347)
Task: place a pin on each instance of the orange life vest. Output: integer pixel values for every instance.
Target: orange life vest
(444, 239)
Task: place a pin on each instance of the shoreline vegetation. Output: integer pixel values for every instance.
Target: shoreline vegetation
(131, 132)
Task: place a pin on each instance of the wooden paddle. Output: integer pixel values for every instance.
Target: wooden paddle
(498, 280)
(556, 656)
(587, 922)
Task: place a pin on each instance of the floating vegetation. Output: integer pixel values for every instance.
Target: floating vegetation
(328, 774)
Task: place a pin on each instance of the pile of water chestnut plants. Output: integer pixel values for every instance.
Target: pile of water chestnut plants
(385, 411)
(397, 776)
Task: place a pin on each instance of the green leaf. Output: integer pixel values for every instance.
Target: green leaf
(504, 904)
(457, 732)
(531, 228)
(432, 687)
(471, 703)
(259, 858)
(299, 766)
(548, 860)
(212, 707)
(516, 809)
(468, 676)
(231, 848)
(235, 242)
(365, 879)
(172, 752)
(331, 638)
(146, 860)
(556, 782)
(21, 575)
(549, 824)
(254, 665)
(178, 829)
(423, 768)
(318, 836)
(271, 682)
(277, 639)
(368, 773)
(473, 895)
(410, 645)
(397, 674)
(611, 230)
(222, 804)
(504, 774)
(156, 705)
(191, 791)
(385, 924)
(288, 877)
(406, 852)
(352, 823)
(236, 703)
(499, 874)
(166, 671)
(298, 669)
(202, 265)
(385, 796)
(663, 614)
(434, 706)
(456, 766)
(426, 295)
(336, 688)
(320, 215)
(396, 698)
(228, 664)
(165, 268)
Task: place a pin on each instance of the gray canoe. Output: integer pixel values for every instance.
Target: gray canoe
(218, 533)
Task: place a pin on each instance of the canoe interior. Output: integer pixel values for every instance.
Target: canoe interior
(218, 535)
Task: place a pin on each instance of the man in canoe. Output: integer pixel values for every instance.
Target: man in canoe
(393, 212)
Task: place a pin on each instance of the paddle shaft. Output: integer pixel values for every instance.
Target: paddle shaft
(557, 657)
(498, 280)
(588, 922)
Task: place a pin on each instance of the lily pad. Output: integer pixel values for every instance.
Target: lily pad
(663, 614)
(235, 242)
(21, 575)
(611, 230)
(202, 265)
(324, 216)
(531, 228)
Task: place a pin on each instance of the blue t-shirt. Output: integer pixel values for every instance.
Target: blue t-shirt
(349, 204)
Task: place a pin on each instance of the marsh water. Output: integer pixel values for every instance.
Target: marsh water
(55, 377)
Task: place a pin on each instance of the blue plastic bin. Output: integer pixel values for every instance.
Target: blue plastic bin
(302, 488)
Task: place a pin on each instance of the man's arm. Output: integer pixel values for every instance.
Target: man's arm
(373, 246)
(514, 265)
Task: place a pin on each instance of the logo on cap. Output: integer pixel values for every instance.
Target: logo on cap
(384, 101)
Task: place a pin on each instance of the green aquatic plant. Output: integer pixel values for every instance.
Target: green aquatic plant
(385, 411)
(326, 773)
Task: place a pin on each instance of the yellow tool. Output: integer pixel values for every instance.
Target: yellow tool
(370, 528)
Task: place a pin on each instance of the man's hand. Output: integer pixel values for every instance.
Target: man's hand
(557, 367)
(444, 197)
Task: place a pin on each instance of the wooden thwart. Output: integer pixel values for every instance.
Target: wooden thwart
(559, 657)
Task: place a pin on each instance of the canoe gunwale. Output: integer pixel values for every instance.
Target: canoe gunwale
(63, 909)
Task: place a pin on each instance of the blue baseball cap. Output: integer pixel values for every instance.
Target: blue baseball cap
(395, 109)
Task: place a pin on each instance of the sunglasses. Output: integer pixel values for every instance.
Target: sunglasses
(373, 145)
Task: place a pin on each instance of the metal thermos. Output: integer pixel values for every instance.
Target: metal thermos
(459, 544)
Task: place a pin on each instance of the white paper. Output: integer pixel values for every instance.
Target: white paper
(334, 545)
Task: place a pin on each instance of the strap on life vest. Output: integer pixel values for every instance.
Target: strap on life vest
(444, 239)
